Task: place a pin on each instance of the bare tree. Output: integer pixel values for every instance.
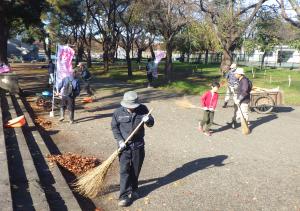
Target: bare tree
(295, 21)
(105, 15)
(230, 20)
(143, 41)
(168, 17)
(131, 25)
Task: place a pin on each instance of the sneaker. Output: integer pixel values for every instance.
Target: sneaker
(124, 202)
(207, 133)
(61, 119)
(134, 195)
(225, 105)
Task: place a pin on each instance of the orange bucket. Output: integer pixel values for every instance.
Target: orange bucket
(16, 122)
(87, 100)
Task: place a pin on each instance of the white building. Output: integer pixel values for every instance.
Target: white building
(280, 56)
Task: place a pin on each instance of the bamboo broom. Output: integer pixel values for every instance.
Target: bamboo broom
(185, 103)
(91, 183)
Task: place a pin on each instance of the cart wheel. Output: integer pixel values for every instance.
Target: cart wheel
(40, 101)
(264, 104)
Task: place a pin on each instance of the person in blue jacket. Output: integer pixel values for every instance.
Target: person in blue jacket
(69, 88)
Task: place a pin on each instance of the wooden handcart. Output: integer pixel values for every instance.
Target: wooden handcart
(263, 100)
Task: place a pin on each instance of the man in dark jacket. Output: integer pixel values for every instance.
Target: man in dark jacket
(243, 96)
(86, 78)
(69, 89)
(125, 120)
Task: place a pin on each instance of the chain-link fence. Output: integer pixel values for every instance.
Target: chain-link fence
(284, 59)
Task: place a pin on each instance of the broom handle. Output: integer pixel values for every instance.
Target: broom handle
(241, 111)
(136, 129)
(239, 107)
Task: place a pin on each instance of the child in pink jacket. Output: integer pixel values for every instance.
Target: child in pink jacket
(209, 102)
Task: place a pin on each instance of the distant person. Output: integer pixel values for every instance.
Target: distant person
(209, 102)
(125, 119)
(69, 89)
(86, 77)
(243, 97)
(51, 69)
(150, 68)
(232, 85)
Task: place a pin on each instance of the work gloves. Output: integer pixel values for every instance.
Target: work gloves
(145, 118)
(121, 144)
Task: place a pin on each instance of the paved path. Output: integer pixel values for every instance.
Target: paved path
(185, 170)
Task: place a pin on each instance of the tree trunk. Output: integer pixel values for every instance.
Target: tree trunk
(226, 60)
(206, 57)
(89, 56)
(106, 54)
(3, 36)
(168, 65)
(263, 60)
(128, 60)
(199, 58)
(152, 52)
(139, 56)
(80, 52)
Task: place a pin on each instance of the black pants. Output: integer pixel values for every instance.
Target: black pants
(69, 104)
(150, 79)
(208, 119)
(87, 88)
(131, 162)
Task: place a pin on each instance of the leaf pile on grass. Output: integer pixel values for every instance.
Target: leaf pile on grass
(75, 163)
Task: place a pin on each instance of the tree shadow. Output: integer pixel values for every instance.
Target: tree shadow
(91, 118)
(46, 176)
(179, 173)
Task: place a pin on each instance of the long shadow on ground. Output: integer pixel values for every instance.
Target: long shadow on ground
(85, 203)
(179, 173)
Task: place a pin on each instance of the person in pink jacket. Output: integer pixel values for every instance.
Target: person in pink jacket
(209, 102)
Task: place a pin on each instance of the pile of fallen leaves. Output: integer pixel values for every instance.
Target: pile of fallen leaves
(77, 164)
(43, 122)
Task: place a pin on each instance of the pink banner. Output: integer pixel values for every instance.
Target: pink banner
(64, 58)
(159, 55)
(4, 68)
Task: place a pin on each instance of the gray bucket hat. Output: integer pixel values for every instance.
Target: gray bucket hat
(130, 100)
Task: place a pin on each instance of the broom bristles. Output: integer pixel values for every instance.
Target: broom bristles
(91, 183)
(245, 127)
(185, 103)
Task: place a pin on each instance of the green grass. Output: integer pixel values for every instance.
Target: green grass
(195, 79)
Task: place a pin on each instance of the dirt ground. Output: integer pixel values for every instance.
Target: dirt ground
(183, 169)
